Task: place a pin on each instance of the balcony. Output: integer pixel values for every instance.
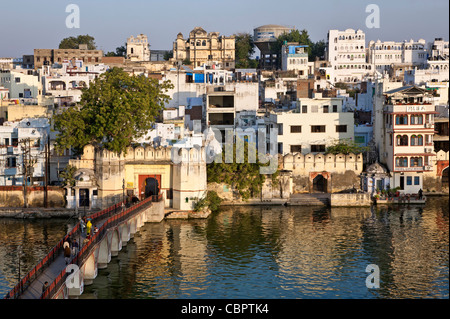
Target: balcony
(414, 169)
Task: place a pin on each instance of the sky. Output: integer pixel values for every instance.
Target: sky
(26, 25)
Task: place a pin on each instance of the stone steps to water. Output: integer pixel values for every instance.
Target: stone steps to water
(309, 200)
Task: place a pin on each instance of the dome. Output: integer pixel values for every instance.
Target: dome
(376, 168)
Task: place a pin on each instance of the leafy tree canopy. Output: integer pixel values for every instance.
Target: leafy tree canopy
(346, 146)
(74, 42)
(244, 177)
(120, 51)
(116, 109)
(168, 55)
(244, 48)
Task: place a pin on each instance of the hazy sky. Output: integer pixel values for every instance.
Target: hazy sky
(26, 25)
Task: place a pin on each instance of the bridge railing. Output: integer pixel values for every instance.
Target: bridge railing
(26, 281)
(112, 221)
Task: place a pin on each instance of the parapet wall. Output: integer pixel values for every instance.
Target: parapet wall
(140, 153)
(303, 164)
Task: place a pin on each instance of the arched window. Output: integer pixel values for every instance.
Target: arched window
(401, 119)
(416, 162)
(417, 119)
(416, 140)
(402, 140)
(204, 43)
(401, 161)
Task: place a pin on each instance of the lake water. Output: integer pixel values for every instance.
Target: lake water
(261, 252)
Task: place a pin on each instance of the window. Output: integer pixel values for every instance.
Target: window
(304, 109)
(317, 148)
(416, 119)
(416, 162)
(318, 129)
(401, 161)
(341, 128)
(314, 109)
(296, 148)
(408, 180)
(296, 128)
(416, 140)
(416, 180)
(402, 140)
(11, 162)
(360, 139)
(280, 129)
(17, 80)
(325, 109)
(401, 120)
(335, 109)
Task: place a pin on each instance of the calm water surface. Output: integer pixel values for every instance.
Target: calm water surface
(262, 252)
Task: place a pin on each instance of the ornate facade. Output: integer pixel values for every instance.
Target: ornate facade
(104, 178)
(202, 47)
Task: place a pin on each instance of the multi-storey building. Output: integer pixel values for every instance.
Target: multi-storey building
(264, 38)
(223, 102)
(439, 48)
(205, 48)
(138, 48)
(346, 52)
(65, 83)
(15, 152)
(382, 56)
(403, 133)
(294, 57)
(314, 125)
(50, 56)
(21, 83)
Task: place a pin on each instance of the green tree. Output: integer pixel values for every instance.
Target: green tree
(67, 175)
(244, 49)
(74, 42)
(345, 146)
(244, 177)
(116, 109)
(120, 51)
(210, 200)
(318, 50)
(168, 55)
(187, 61)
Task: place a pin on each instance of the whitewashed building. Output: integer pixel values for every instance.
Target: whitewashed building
(383, 55)
(346, 52)
(12, 153)
(316, 124)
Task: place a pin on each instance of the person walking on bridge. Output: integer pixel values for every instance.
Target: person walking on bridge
(75, 247)
(88, 227)
(67, 252)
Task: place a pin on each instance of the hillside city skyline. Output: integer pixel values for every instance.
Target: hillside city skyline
(43, 26)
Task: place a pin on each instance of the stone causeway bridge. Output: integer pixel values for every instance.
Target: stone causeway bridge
(116, 225)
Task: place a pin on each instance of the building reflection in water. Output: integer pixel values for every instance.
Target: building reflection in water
(268, 252)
